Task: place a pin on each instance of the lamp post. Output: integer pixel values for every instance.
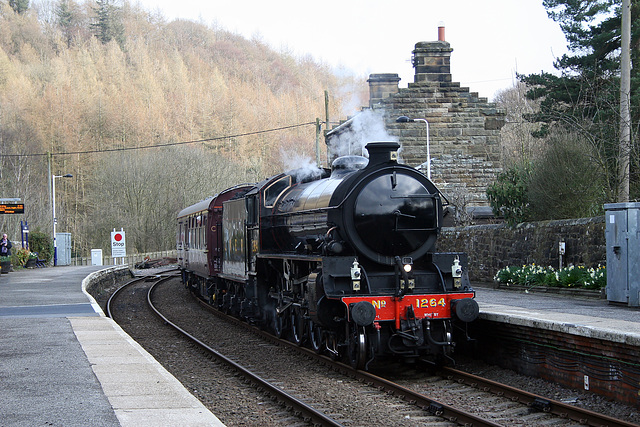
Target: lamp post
(53, 207)
(405, 119)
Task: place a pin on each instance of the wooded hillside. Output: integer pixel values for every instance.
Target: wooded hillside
(86, 88)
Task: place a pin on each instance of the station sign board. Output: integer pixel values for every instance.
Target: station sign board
(11, 206)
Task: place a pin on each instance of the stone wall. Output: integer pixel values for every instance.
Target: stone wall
(464, 143)
(101, 284)
(492, 247)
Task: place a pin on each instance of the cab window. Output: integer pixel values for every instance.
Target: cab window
(273, 191)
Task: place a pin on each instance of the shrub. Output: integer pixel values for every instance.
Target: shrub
(527, 275)
(20, 256)
(508, 195)
(42, 244)
(566, 182)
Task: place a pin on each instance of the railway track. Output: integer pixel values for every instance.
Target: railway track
(128, 306)
(410, 407)
(535, 402)
(308, 413)
(561, 409)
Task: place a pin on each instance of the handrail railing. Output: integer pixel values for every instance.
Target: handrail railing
(128, 260)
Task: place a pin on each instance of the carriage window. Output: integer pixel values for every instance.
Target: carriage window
(204, 228)
(275, 190)
(198, 224)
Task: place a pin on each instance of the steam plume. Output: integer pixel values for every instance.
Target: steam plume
(300, 167)
(368, 126)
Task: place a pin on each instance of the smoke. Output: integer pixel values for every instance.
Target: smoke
(302, 168)
(351, 95)
(368, 126)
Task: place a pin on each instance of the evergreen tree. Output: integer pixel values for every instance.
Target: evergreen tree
(108, 22)
(66, 18)
(585, 97)
(19, 6)
(508, 195)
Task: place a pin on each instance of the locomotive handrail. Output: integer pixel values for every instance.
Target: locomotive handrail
(306, 211)
(444, 285)
(271, 255)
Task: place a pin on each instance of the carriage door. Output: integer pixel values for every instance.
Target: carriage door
(253, 233)
(180, 241)
(215, 246)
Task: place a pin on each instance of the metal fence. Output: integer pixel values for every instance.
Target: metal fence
(128, 260)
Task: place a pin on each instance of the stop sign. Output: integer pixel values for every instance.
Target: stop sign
(118, 244)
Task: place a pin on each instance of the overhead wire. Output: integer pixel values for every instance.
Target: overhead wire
(168, 144)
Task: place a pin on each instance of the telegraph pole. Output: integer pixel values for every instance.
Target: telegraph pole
(625, 101)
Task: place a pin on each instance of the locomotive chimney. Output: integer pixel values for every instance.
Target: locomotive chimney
(382, 152)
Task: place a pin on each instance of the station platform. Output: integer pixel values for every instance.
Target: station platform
(584, 343)
(576, 315)
(63, 363)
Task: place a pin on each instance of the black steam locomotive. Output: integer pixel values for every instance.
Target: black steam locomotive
(343, 261)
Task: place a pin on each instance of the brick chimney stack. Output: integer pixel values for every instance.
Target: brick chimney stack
(382, 86)
(432, 60)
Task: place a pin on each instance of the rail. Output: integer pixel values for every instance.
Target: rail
(315, 416)
(561, 409)
(428, 404)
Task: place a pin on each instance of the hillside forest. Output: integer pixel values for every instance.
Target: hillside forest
(148, 116)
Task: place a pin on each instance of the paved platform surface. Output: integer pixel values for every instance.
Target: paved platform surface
(589, 317)
(62, 363)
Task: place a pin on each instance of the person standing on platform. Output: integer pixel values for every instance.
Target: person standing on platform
(5, 246)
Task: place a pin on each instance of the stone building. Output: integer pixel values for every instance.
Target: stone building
(464, 129)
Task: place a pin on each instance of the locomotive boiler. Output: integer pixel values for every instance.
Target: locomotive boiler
(343, 261)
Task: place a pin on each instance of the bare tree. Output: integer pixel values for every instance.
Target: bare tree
(143, 192)
(518, 144)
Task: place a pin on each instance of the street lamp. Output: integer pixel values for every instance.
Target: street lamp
(53, 207)
(405, 119)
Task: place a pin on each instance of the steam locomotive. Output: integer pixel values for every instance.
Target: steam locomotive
(342, 261)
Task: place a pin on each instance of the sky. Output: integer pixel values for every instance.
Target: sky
(491, 39)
